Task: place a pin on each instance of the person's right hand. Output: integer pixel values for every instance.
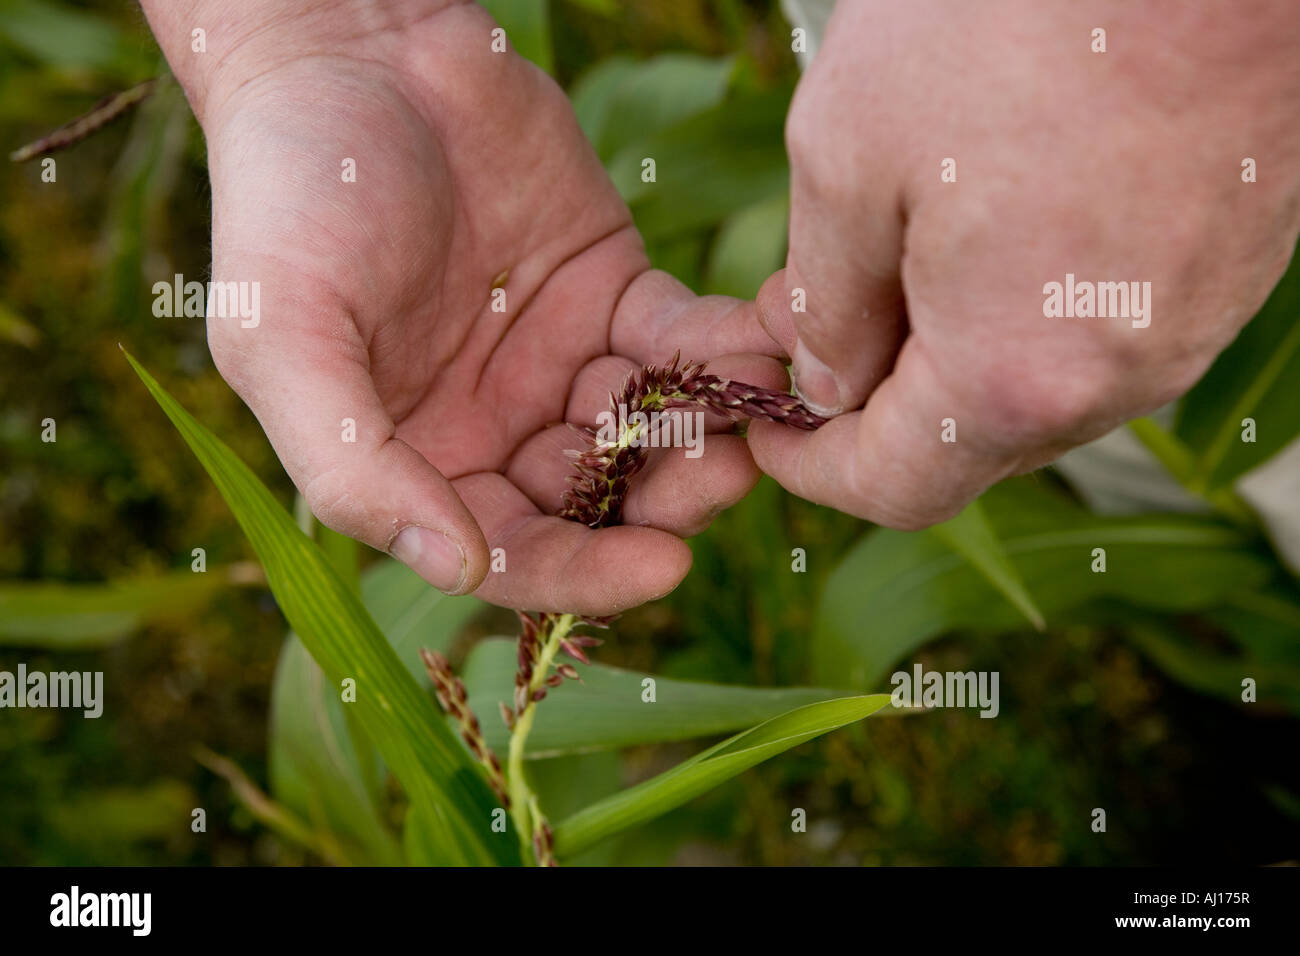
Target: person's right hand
(925, 298)
(377, 299)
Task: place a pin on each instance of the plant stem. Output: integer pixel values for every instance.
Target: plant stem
(522, 799)
(100, 115)
(1178, 461)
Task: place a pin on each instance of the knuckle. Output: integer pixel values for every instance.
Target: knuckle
(807, 127)
(331, 497)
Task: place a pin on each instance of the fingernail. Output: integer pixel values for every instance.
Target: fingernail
(432, 555)
(813, 382)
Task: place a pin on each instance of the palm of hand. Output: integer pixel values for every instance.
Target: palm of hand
(381, 292)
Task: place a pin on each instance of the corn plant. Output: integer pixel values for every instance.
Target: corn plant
(605, 469)
(465, 806)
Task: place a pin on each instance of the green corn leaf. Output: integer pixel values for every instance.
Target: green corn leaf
(707, 167)
(412, 613)
(1265, 622)
(343, 554)
(68, 617)
(750, 246)
(65, 38)
(420, 838)
(682, 256)
(1255, 378)
(971, 536)
(1212, 671)
(396, 714)
(621, 100)
(706, 770)
(564, 785)
(323, 767)
(606, 710)
(894, 591)
(317, 771)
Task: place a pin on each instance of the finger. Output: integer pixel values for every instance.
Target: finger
(683, 495)
(841, 294)
(776, 312)
(540, 467)
(309, 386)
(657, 316)
(551, 564)
(680, 490)
(891, 463)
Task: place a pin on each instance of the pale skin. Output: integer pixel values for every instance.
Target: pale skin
(924, 299)
(377, 297)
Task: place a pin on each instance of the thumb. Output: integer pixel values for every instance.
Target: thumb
(842, 296)
(314, 397)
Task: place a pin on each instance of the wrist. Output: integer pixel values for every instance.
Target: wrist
(215, 46)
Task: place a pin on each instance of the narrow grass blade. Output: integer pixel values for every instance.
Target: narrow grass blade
(706, 770)
(395, 713)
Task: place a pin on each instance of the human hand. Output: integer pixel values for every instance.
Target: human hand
(377, 299)
(925, 299)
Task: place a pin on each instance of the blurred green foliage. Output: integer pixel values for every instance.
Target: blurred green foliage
(1119, 704)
